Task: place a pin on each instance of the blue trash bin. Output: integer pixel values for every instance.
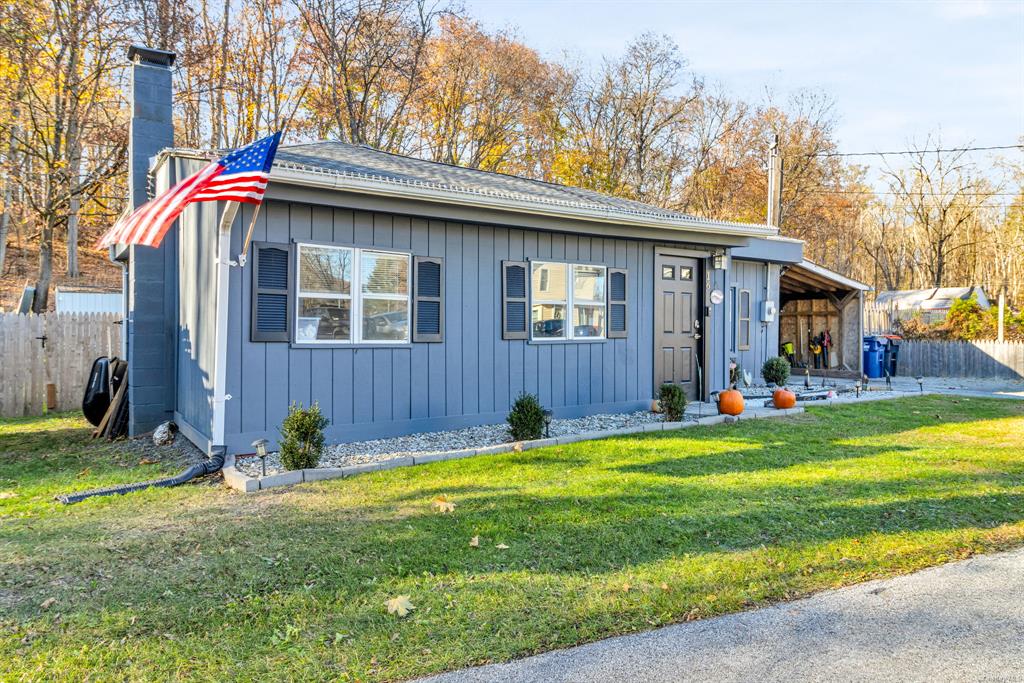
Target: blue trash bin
(874, 352)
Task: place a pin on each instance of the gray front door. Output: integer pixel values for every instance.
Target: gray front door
(677, 328)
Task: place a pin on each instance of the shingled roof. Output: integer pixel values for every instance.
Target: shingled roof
(357, 168)
(372, 166)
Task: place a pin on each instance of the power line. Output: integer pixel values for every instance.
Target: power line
(916, 194)
(913, 151)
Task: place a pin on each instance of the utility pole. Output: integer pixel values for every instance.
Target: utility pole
(774, 183)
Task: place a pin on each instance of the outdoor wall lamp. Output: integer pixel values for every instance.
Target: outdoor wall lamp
(261, 451)
(547, 424)
(720, 261)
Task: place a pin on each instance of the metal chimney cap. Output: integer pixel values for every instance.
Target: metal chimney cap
(151, 55)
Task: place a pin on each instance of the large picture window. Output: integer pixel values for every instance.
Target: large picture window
(568, 301)
(351, 295)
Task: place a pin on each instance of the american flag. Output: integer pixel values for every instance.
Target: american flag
(241, 176)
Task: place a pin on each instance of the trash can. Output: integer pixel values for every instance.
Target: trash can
(892, 354)
(873, 357)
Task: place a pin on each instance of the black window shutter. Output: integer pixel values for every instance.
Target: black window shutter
(618, 303)
(428, 299)
(271, 292)
(514, 303)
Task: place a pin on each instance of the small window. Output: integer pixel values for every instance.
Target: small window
(685, 273)
(385, 296)
(588, 301)
(734, 312)
(325, 294)
(561, 311)
(550, 300)
(743, 320)
(668, 273)
(331, 309)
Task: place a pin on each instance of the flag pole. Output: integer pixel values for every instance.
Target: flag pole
(248, 236)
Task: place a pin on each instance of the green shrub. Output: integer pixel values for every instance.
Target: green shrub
(302, 437)
(673, 402)
(776, 371)
(526, 420)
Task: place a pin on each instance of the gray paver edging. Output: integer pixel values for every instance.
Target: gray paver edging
(246, 484)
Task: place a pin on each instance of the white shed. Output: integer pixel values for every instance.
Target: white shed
(86, 300)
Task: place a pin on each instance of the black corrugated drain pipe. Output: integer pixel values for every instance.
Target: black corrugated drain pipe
(214, 464)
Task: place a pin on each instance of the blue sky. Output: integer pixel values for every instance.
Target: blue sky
(897, 70)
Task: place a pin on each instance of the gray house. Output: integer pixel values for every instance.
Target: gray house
(404, 295)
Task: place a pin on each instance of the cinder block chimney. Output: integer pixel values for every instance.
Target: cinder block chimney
(151, 283)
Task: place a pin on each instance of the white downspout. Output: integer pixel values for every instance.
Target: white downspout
(220, 365)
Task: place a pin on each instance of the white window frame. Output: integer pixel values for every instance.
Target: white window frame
(355, 295)
(569, 302)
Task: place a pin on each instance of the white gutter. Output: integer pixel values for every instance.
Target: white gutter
(220, 363)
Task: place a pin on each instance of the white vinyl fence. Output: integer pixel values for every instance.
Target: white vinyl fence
(28, 365)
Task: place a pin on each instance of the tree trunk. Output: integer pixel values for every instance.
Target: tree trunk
(12, 153)
(42, 298)
(74, 178)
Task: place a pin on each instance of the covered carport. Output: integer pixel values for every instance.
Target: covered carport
(822, 317)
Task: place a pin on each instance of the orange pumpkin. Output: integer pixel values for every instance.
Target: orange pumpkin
(730, 402)
(783, 398)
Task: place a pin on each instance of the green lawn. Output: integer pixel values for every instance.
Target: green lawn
(607, 537)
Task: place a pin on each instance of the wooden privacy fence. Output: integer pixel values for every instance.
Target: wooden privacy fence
(72, 342)
(879, 318)
(982, 359)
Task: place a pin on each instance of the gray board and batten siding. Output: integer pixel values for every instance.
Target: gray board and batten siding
(471, 377)
(761, 281)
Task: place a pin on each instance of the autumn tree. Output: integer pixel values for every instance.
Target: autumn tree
(485, 98)
(68, 133)
(368, 58)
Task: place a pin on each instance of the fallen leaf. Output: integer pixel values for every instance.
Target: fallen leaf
(399, 605)
(501, 546)
(7, 494)
(443, 505)
(664, 587)
(474, 542)
(626, 587)
(148, 461)
(48, 603)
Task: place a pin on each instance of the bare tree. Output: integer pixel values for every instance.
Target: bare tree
(368, 58)
(939, 192)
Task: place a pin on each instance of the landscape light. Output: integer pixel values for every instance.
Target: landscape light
(920, 383)
(261, 451)
(547, 424)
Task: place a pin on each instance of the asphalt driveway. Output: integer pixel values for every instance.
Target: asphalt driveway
(959, 622)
